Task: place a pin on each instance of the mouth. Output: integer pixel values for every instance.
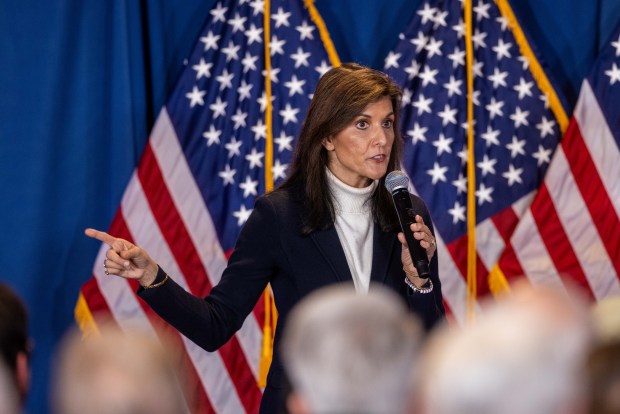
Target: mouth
(379, 158)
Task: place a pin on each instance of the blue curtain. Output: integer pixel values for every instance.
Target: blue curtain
(82, 81)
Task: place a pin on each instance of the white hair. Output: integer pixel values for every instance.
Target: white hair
(116, 372)
(350, 353)
(522, 356)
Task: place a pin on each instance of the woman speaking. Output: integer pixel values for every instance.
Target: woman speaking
(332, 221)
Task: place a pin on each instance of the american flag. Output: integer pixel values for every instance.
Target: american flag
(571, 232)
(518, 121)
(202, 169)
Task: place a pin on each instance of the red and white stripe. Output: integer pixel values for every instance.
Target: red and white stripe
(569, 233)
(572, 229)
(492, 236)
(162, 211)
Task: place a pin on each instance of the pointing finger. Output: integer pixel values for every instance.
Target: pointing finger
(100, 235)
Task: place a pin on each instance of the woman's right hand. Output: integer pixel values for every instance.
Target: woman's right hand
(125, 259)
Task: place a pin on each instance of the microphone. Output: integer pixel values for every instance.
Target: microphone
(396, 182)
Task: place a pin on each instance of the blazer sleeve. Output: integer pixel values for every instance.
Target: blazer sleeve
(211, 321)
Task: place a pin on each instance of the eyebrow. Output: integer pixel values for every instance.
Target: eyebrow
(368, 116)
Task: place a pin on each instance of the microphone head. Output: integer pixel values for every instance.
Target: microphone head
(395, 180)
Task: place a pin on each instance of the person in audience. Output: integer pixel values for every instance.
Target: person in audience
(14, 340)
(347, 353)
(523, 354)
(606, 318)
(603, 376)
(9, 395)
(602, 368)
(115, 372)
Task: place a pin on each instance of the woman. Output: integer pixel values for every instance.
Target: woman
(332, 221)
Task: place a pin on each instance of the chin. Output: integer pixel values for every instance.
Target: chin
(378, 175)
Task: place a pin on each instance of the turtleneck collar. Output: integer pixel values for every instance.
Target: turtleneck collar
(349, 199)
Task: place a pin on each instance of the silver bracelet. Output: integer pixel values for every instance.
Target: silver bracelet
(413, 287)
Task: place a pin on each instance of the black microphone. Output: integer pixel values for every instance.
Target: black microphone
(396, 182)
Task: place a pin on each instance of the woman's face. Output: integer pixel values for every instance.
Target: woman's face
(361, 151)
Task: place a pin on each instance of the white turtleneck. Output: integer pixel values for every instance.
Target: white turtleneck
(355, 227)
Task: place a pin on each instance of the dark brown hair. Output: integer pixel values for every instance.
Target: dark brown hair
(341, 94)
(13, 326)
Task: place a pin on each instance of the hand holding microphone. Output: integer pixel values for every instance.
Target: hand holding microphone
(397, 182)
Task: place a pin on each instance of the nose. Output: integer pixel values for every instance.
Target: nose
(381, 137)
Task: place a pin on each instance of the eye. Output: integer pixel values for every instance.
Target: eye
(388, 123)
(361, 124)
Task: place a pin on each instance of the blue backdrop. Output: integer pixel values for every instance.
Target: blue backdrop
(82, 81)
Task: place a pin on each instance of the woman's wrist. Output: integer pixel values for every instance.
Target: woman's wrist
(150, 274)
(416, 280)
(426, 288)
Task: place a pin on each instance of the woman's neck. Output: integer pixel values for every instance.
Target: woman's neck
(347, 198)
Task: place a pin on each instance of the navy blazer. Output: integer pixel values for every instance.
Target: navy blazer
(271, 249)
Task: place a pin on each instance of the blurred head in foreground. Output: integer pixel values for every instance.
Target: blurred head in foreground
(603, 364)
(9, 395)
(14, 340)
(524, 354)
(350, 353)
(603, 373)
(606, 318)
(115, 372)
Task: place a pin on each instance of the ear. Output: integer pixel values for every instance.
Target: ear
(328, 143)
(22, 368)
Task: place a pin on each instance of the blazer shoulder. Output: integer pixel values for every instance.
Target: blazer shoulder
(284, 204)
(282, 198)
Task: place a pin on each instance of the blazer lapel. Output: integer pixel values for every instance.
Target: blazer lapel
(383, 247)
(328, 243)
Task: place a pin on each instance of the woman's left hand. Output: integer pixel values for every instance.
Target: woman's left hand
(422, 233)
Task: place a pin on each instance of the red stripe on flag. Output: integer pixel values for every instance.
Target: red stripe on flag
(171, 224)
(482, 274)
(185, 254)
(557, 243)
(505, 222)
(593, 192)
(196, 397)
(510, 265)
(458, 251)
